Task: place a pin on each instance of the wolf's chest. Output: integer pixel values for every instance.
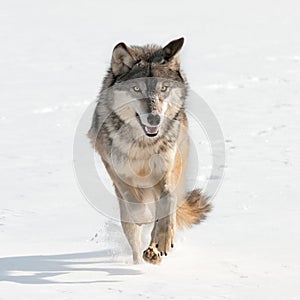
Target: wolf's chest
(140, 167)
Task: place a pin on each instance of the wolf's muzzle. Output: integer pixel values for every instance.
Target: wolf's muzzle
(150, 123)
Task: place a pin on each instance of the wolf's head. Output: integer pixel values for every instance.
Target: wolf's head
(147, 85)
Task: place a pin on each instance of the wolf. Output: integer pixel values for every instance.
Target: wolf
(140, 130)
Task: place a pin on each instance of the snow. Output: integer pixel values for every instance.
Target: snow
(242, 58)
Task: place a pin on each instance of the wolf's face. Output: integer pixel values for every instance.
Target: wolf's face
(148, 103)
(148, 89)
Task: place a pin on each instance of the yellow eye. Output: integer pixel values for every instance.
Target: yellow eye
(136, 89)
(164, 88)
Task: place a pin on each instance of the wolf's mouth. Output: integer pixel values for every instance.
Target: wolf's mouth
(150, 131)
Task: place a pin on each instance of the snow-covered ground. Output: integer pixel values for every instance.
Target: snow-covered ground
(242, 58)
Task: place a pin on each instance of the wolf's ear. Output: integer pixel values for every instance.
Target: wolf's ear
(172, 49)
(123, 59)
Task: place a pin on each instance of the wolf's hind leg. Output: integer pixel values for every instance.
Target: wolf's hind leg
(133, 234)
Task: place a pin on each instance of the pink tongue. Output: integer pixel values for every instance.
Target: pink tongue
(151, 129)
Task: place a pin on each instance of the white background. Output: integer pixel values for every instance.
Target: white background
(242, 57)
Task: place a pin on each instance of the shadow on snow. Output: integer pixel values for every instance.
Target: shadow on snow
(42, 268)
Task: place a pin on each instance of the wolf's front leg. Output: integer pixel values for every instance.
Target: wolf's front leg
(173, 189)
(162, 236)
(164, 228)
(133, 235)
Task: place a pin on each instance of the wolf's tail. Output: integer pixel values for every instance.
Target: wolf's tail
(193, 210)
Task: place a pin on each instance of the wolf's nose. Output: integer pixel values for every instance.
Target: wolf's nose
(153, 119)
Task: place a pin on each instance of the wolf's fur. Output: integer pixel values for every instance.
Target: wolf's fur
(139, 129)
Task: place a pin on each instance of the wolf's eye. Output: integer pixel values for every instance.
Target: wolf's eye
(164, 88)
(136, 89)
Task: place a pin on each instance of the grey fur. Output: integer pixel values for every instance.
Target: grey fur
(139, 157)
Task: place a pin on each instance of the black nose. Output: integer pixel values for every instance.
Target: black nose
(153, 119)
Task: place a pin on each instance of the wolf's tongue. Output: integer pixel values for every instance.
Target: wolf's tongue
(151, 129)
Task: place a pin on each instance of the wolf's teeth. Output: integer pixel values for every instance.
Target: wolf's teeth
(151, 129)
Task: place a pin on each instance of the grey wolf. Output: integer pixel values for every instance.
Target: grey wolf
(140, 130)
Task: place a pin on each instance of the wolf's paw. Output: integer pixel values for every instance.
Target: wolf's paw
(164, 242)
(152, 255)
(163, 236)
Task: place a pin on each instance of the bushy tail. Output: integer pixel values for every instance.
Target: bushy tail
(193, 210)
